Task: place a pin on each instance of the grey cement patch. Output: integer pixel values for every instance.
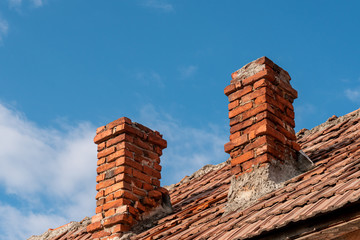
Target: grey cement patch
(248, 187)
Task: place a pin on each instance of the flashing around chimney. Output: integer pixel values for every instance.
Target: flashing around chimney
(261, 116)
(128, 177)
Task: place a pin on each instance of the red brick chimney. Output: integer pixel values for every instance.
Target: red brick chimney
(261, 116)
(128, 177)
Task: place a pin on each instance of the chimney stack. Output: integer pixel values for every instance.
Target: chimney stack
(128, 177)
(261, 117)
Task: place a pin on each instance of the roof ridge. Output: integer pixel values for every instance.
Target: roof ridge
(332, 121)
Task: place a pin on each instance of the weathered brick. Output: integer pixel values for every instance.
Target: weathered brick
(120, 228)
(120, 138)
(238, 94)
(119, 153)
(117, 186)
(139, 175)
(119, 121)
(125, 161)
(92, 227)
(123, 177)
(242, 158)
(96, 218)
(105, 167)
(153, 138)
(233, 104)
(236, 142)
(105, 184)
(106, 152)
(100, 234)
(241, 125)
(240, 109)
(101, 146)
(103, 136)
(100, 194)
(116, 203)
(155, 194)
(119, 218)
(126, 194)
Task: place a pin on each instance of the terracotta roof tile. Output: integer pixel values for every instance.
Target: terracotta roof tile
(334, 182)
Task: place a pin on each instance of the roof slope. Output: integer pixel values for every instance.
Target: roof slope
(333, 183)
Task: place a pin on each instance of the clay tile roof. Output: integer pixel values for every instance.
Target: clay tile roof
(333, 184)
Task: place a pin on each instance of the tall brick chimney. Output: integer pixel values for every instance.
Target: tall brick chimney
(128, 177)
(261, 116)
(263, 149)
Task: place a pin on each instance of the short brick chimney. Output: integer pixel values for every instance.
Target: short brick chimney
(128, 177)
(261, 116)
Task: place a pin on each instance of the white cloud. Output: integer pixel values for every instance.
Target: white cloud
(4, 27)
(149, 78)
(16, 224)
(189, 71)
(188, 148)
(40, 165)
(162, 5)
(18, 3)
(353, 94)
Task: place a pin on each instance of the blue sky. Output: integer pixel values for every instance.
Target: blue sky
(67, 67)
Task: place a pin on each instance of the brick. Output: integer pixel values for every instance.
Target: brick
(99, 209)
(290, 113)
(258, 109)
(235, 170)
(101, 146)
(100, 234)
(100, 129)
(92, 227)
(126, 128)
(120, 218)
(103, 136)
(229, 89)
(296, 146)
(238, 94)
(158, 150)
(139, 175)
(119, 153)
(126, 194)
(266, 61)
(106, 152)
(262, 83)
(125, 161)
(268, 130)
(270, 149)
(117, 186)
(267, 73)
(116, 203)
(120, 138)
(236, 142)
(153, 138)
(241, 125)
(155, 182)
(109, 198)
(119, 121)
(240, 109)
(265, 158)
(139, 192)
(155, 194)
(157, 166)
(123, 169)
(257, 143)
(100, 177)
(145, 145)
(156, 174)
(110, 212)
(242, 158)
(255, 94)
(101, 161)
(149, 202)
(100, 194)
(119, 228)
(105, 184)
(285, 102)
(236, 120)
(105, 167)
(100, 202)
(289, 90)
(268, 99)
(97, 218)
(233, 104)
(147, 187)
(147, 170)
(123, 178)
(139, 206)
